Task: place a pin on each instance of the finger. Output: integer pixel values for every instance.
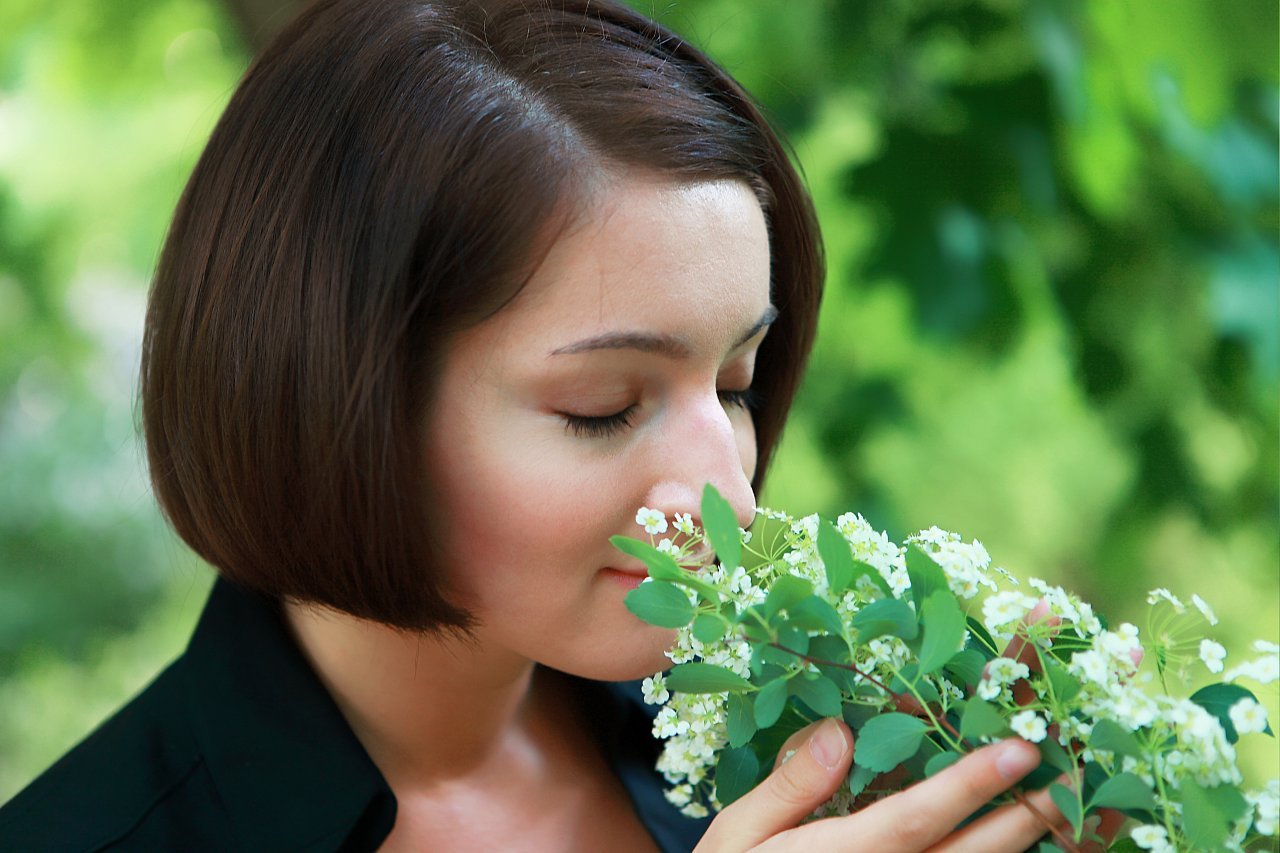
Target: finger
(928, 811)
(789, 794)
(793, 744)
(1012, 827)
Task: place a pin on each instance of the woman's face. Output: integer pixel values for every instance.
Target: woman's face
(608, 384)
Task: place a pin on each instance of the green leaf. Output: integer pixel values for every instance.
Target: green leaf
(908, 679)
(1052, 752)
(1065, 799)
(888, 616)
(785, 592)
(1113, 737)
(940, 762)
(793, 639)
(660, 603)
(819, 693)
(980, 639)
(708, 627)
(1217, 699)
(1050, 847)
(833, 649)
(1123, 791)
(859, 778)
(981, 719)
(836, 558)
(926, 576)
(1207, 813)
(871, 573)
(1124, 845)
(966, 667)
(721, 526)
(698, 677)
(856, 715)
(943, 623)
(741, 720)
(736, 773)
(888, 740)
(1065, 685)
(770, 701)
(816, 614)
(1066, 645)
(662, 566)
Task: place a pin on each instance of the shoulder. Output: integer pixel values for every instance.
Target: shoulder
(136, 781)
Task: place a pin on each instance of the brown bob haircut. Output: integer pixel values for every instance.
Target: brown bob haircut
(380, 179)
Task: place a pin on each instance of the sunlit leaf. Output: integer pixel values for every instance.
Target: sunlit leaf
(698, 677)
(888, 740)
(660, 603)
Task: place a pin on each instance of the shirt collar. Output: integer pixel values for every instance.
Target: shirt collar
(282, 757)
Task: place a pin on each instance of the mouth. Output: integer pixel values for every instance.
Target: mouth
(627, 578)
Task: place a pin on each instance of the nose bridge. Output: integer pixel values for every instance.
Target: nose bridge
(701, 447)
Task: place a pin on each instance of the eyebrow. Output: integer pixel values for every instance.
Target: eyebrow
(672, 346)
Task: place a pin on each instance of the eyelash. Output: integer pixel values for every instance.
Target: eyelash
(608, 425)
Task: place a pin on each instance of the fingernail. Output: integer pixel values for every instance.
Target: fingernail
(828, 744)
(1016, 760)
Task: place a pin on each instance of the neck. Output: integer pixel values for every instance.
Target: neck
(399, 691)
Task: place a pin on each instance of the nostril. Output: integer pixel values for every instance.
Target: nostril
(701, 556)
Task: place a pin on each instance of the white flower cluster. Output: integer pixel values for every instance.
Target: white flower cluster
(1181, 739)
(968, 566)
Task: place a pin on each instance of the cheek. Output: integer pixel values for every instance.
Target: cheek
(505, 509)
(744, 431)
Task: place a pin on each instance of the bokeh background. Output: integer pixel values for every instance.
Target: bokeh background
(1052, 319)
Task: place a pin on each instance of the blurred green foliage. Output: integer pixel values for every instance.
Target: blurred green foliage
(1052, 319)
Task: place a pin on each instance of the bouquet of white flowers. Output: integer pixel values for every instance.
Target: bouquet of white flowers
(927, 652)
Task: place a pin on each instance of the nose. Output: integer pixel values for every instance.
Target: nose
(701, 444)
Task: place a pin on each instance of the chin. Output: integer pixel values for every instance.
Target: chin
(638, 654)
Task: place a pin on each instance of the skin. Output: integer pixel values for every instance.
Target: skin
(524, 503)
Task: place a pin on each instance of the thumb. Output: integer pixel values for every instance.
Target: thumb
(789, 794)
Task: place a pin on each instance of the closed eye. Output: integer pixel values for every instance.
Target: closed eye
(604, 426)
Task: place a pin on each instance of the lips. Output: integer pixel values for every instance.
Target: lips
(632, 576)
(629, 578)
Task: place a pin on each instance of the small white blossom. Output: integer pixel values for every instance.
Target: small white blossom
(1212, 654)
(1161, 593)
(683, 523)
(1248, 716)
(1090, 665)
(1205, 610)
(1006, 608)
(1266, 805)
(1028, 725)
(655, 690)
(1151, 837)
(1263, 670)
(989, 690)
(1007, 670)
(652, 520)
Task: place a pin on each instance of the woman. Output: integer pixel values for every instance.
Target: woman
(453, 290)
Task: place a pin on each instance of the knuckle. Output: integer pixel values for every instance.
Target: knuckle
(913, 830)
(977, 788)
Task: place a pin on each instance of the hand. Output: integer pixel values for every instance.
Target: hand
(923, 817)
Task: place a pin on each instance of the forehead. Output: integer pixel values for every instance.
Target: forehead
(646, 255)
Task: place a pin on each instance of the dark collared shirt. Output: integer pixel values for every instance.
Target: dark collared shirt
(238, 746)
